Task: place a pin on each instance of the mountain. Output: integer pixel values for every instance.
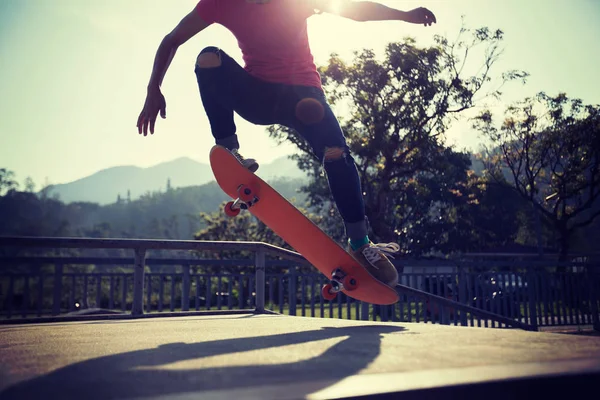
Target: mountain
(105, 186)
(281, 167)
(476, 164)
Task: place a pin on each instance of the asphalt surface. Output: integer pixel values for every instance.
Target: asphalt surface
(271, 356)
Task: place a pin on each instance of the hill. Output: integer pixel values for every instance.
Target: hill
(131, 182)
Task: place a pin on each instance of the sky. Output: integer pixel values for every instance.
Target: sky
(73, 74)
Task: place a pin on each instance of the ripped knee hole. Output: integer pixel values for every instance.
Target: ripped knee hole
(208, 60)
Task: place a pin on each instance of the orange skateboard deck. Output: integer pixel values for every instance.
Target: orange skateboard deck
(252, 193)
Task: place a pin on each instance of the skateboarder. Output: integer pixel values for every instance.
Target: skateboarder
(279, 84)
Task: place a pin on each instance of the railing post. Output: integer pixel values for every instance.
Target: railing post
(532, 294)
(185, 290)
(137, 307)
(292, 290)
(58, 275)
(11, 291)
(84, 300)
(364, 311)
(99, 291)
(593, 296)
(462, 294)
(259, 257)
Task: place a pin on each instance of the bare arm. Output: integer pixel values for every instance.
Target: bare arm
(372, 11)
(164, 55)
(189, 26)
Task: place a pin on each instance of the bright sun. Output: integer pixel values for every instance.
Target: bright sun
(337, 5)
(331, 33)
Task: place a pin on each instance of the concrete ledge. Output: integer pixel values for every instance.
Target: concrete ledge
(98, 315)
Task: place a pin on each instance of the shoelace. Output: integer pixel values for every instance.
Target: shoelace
(373, 252)
(237, 155)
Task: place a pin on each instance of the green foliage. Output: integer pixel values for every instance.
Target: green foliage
(549, 148)
(243, 227)
(171, 215)
(26, 214)
(7, 181)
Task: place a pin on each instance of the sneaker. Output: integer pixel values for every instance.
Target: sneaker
(374, 257)
(249, 163)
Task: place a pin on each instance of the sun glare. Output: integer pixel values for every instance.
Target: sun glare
(337, 5)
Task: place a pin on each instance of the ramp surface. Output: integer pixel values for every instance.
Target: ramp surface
(280, 357)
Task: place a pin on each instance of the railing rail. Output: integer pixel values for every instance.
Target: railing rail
(39, 260)
(140, 247)
(148, 244)
(457, 306)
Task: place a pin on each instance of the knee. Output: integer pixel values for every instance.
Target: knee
(310, 111)
(210, 57)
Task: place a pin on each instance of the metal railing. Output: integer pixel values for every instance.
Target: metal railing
(140, 247)
(526, 297)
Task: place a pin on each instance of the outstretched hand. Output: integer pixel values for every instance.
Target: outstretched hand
(155, 103)
(421, 15)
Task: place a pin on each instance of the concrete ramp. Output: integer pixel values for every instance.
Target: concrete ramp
(280, 357)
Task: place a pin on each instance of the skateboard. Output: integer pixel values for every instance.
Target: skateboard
(249, 192)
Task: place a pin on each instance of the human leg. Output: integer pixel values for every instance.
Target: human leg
(225, 87)
(329, 146)
(211, 76)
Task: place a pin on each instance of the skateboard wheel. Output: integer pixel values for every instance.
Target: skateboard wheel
(246, 193)
(230, 211)
(349, 282)
(326, 292)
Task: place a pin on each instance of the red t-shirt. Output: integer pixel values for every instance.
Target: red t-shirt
(272, 36)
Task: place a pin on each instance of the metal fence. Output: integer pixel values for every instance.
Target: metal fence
(527, 294)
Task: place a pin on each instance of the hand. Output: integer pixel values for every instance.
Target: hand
(155, 102)
(421, 15)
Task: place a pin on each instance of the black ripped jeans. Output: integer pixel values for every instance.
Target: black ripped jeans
(229, 88)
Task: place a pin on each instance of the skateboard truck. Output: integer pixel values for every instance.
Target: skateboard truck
(339, 281)
(247, 198)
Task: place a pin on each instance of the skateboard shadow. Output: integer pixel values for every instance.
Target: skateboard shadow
(130, 374)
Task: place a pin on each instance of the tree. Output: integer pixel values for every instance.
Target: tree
(243, 227)
(7, 181)
(490, 216)
(25, 214)
(399, 110)
(549, 148)
(29, 185)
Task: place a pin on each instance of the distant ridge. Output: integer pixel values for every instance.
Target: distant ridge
(105, 186)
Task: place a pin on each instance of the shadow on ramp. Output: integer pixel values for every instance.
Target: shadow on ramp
(137, 374)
